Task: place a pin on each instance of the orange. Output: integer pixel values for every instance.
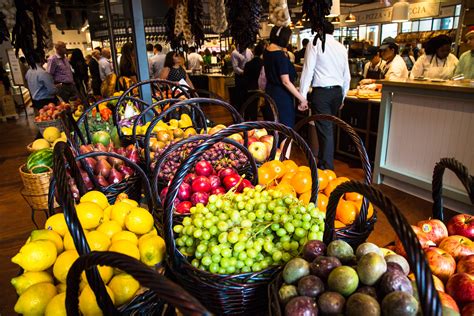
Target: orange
(277, 166)
(338, 224)
(301, 182)
(304, 169)
(346, 212)
(331, 174)
(287, 177)
(285, 188)
(330, 187)
(353, 196)
(322, 202)
(265, 176)
(322, 180)
(305, 197)
(291, 166)
(343, 179)
(370, 209)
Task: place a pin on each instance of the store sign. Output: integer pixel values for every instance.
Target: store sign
(423, 10)
(374, 16)
(15, 68)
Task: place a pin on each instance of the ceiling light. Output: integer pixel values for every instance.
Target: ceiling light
(336, 20)
(400, 11)
(335, 9)
(350, 18)
(101, 16)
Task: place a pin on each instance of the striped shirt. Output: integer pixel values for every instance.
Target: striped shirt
(60, 69)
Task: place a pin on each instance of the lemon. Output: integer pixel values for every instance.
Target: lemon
(124, 287)
(63, 264)
(119, 211)
(107, 211)
(126, 247)
(146, 236)
(139, 221)
(40, 143)
(110, 228)
(98, 240)
(23, 282)
(34, 300)
(57, 305)
(90, 214)
(131, 202)
(57, 222)
(96, 197)
(126, 235)
(51, 134)
(59, 140)
(61, 287)
(45, 234)
(106, 273)
(152, 250)
(88, 303)
(36, 255)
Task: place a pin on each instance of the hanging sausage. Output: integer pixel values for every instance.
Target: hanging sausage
(195, 10)
(244, 21)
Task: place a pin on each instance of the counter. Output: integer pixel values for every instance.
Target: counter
(421, 122)
(215, 83)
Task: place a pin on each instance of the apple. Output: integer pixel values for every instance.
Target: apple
(434, 229)
(468, 310)
(189, 178)
(204, 168)
(260, 132)
(422, 238)
(448, 302)
(184, 192)
(184, 207)
(199, 197)
(219, 190)
(466, 264)
(251, 133)
(258, 151)
(215, 181)
(457, 246)
(252, 140)
(237, 137)
(216, 128)
(462, 224)
(267, 140)
(231, 181)
(461, 287)
(438, 284)
(442, 264)
(226, 172)
(201, 184)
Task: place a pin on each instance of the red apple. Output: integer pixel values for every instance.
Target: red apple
(184, 207)
(258, 151)
(219, 190)
(442, 264)
(199, 197)
(201, 184)
(466, 264)
(462, 224)
(252, 140)
(215, 181)
(204, 168)
(457, 246)
(189, 178)
(226, 172)
(434, 229)
(461, 287)
(184, 192)
(260, 132)
(267, 140)
(231, 181)
(448, 301)
(468, 310)
(422, 238)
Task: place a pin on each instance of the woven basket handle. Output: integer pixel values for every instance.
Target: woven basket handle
(160, 117)
(147, 277)
(429, 299)
(176, 146)
(136, 168)
(39, 166)
(186, 166)
(463, 175)
(70, 127)
(74, 226)
(198, 93)
(364, 158)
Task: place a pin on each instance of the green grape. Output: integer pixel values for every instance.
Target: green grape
(211, 208)
(226, 253)
(206, 260)
(231, 270)
(195, 263)
(314, 228)
(213, 230)
(197, 233)
(198, 222)
(251, 253)
(206, 235)
(246, 269)
(180, 242)
(306, 226)
(312, 236)
(232, 261)
(285, 238)
(249, 207)
(284, 218)
(222, 237)
(286, 257)
(201, 247)
(271, 205)
(268, 216)
(256, 267)
(300, 232)
(277, 255)
(242, 255)
(224, 263)
(198, 254)
(248, 262)
(251, 216)
(297, 222)
(289, 227)
(189, 242)
(246, 223)
(239, 247)
(215, 250)
(216, 258)
(257, 247)
(178, 229)
(276, 217)
(235, 216)
(260, 214)
(214, 267)
(240, 264)
(233, 237)
(294, 245)
(213, 199)
(281, 232)
(275, 227)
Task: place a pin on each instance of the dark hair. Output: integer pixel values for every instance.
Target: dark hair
(259, 49)
(149, 47)
(98, 48)
(158, 47)
(432, 45)
(192, 49)
(127, 61)
(280, 35)
(305, 42)
(405, 51)
(22, 59)
(76, 56)
(169, 58)
(372, 51)
(328, 27)
(207, 52)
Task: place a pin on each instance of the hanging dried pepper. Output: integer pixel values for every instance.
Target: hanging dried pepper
(195, 10)
(316, 11)
(218, 16)
(244, 21)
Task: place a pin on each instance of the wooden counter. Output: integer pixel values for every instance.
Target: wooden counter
(421, 122)
(216, 83)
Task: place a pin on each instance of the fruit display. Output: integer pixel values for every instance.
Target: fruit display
(182, 124)
(40, 161)
(338, 281)
(248, 231)
(51, 135)
(49, 253)
(51, 111)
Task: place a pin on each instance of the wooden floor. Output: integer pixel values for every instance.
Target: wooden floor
(16, 224)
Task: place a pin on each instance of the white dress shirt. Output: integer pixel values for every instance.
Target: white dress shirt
(194, 61)
(156, 65)
(105, 68)
(430, 66)
(325, 69)
(239, 60)
(396, 69)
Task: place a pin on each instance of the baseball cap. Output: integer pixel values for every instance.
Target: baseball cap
(388, 42)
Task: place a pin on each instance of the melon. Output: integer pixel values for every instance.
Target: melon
(51, 134)
(40, 143)
(40, 161)
(101, 137)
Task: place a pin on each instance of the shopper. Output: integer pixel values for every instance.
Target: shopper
(395, 67)
(60, 68)
(40, 84)
(127, 67)
(195, 61)
(239, 59)
(107, 74)
(280, 74)
(300, 54)
(95, 72)
(328, 73)
(409, 59)
(81, 74)
(173, 69)
(149, 50)
(252, 71)
(466, 61)
(373, 68)
(207, 56)
(438, 62)
(157, 61)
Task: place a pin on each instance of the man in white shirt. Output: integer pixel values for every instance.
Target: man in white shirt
(239, 59)
(395, 67)
(195, 60)
(157, 61)
(328, 74)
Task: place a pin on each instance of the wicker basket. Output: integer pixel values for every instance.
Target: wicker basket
(35, 183)
(35, 201)
(239, 294)
(358, 232)
(45, 124)
(463, 175)
(428, 296)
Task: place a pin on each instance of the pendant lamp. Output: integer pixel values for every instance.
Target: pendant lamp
(336, 20)
(400, 11)
(350, 18)
(335, 9)
(299, 24)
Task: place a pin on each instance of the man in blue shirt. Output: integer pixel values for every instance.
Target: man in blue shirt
(40, 84)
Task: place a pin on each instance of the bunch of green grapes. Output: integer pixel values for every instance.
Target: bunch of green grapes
(247, 232)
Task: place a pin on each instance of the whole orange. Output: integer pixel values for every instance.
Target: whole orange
(291, 166)
(277, 166)
(322, 202)
(301, 182)
(370, 209)
(265, 176)
(322, 179)
(305, 197)
(304, 169)
(353, 196)
(331, 174)
(287, 177)
(285, 188)
(338, 224)
(346, 212)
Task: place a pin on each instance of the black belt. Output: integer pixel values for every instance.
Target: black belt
(65, 83)
(328, 87)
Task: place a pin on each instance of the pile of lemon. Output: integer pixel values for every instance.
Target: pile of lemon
(49, 253)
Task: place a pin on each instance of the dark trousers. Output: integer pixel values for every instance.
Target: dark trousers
(240, 92)
(67, 91)
(326, 101)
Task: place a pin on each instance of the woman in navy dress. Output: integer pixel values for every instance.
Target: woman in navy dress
(280, 74)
